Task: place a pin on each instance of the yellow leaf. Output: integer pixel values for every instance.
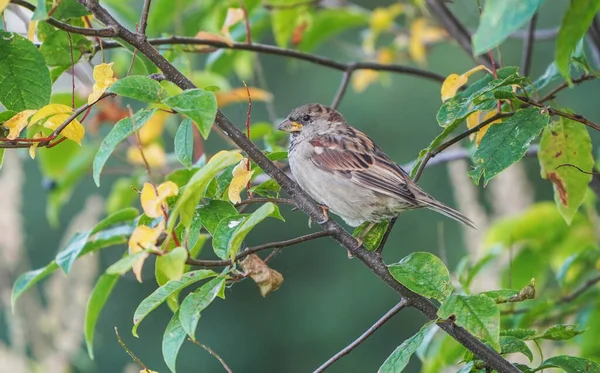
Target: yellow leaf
(234, 15)
(35, 144)
(363, 78)
(385, 56)
(30, 29)
(482, 131)
(142, 238)
(104, 78)
(382, 19)
(55, 115)
(154, 154)
(454, 81)
(267, 279)
(17, 123)
(240, 95)
(3, 5)
(451, 85)
(153, 200)
(153, 128)
(241, 176)
(148, 371)
(204, 35)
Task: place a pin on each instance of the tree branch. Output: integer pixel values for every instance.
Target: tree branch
(528, 46)
(552, 93)
(107, 32)
(273, 50)
(346, 350)
(144, 17)
(552, 111)
(456, 29)
(255, 249)
(371, 259)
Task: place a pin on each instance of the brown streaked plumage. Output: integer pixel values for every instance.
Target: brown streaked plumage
(343, 169)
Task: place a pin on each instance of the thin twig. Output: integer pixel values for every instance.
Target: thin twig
(456, 29)
(255, 249)
(72, 71)
(552, 111)
(343, 86)
(248, 114)
(286, 201)
(346, 350)
(214, 354)
(144, 18)
(107, 32)
(246, 22)
(273, 50)
(129, 352)
(528, 46)
(552, 93)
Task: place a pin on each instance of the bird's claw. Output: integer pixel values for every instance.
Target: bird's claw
(325, 211)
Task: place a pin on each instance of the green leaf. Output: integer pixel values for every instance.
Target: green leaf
(575, 23)
(172, 341)
(476, 313)
(71, 252)
(501, 295)
(398, 360)
(570, 364)
(184, 143)
(227, 243)
(140, 88)
(95, 303)
(375, 235)
(123, 129)
(28, 279)
(70, 9)
(1, 157)
(269, 188)
(124, 215)
(499, 19)
(506, 143)
(524, 334)
(196, 302)
(170, 266)
(223, 232)
(560, 332)
(121, 194)
(566, 142)
(195, 188)
(67, 257)
(6, 115)
(124, 265)
(162, 293)
(24, 75)
(66, 181)
(423, 273)
(284, 21)
(198, 105)
(510, 345)
(327, 23)
(110, 237)
(57, 48)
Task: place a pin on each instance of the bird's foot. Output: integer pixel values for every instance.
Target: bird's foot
(325, 211)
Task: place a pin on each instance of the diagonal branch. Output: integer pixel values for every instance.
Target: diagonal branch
(346, 350)
(107, 32)
(144, 17)
(456, 29)
(371, 259)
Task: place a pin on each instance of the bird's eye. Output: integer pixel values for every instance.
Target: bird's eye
(306, 118)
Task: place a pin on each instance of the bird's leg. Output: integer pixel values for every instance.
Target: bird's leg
(325, 210)
(361, 236)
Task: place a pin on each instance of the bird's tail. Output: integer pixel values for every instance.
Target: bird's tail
(439, 207)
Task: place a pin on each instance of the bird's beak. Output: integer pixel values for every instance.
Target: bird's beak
(289, 126)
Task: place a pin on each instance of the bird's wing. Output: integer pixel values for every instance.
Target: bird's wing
(357, 158)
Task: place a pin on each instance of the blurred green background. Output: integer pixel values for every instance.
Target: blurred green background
(326, 300)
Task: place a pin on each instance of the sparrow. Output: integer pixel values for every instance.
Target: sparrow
(342, 169)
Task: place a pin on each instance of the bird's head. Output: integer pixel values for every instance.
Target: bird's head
(311, 118)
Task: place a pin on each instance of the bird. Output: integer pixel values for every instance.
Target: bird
(344, 171)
